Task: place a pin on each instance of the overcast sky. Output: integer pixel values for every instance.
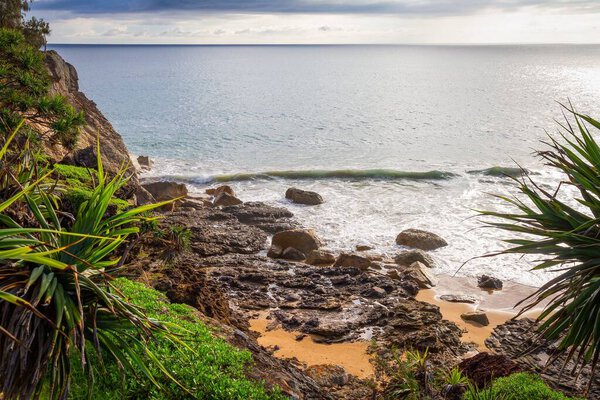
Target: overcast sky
(321, 21)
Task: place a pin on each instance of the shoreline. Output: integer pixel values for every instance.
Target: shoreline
(353, 357)
(499, 305)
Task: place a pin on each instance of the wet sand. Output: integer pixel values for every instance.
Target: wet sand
(351, 356)
(499, 305)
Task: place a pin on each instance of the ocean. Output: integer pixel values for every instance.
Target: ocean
(393, 137)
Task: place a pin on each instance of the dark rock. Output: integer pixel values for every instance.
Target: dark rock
(328, 375)
(489, 282)
(411, 287)
(268, 218)
(217, 233)
(479, 317)
(303, 240)
(420, 239)
(375, 292)
(320, 257)
(145, 162)
(165, 190)
(410, 256)
(214, 192)
(143, 197)
(353, 260)
(225, 199)
(363, 247)
(418, 273)
(519, 341)
(482, 368)
(292, 254)
(300, 196)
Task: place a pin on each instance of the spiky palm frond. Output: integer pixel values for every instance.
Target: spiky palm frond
(563, 227)
(56, 298)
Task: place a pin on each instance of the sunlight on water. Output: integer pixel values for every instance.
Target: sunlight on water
(393, 137)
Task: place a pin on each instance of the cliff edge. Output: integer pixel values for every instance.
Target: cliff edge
(65, 82)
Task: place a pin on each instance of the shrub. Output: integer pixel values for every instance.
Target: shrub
(211, 369)
(24, 87)
(81, 174)
(76, 196)
(520, 386)
(56, 297)
(562, 229)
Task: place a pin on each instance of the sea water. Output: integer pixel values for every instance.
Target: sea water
(392, 137)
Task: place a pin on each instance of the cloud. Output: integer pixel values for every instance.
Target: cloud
(405, 7)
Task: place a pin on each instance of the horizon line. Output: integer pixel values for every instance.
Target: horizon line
(334, 44)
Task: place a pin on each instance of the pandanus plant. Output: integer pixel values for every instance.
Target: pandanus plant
(57, 304)
(563, 227)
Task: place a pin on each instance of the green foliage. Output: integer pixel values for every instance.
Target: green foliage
(76, 196)
(56, 296)
(210, 369)
(81, 174)
(563, 229)
(77, 184)
(12, 16)
(520, 386)
(453, 377)
(24, 86)
(406, 375)
(176, 240)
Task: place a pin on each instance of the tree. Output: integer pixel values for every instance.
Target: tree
(12, 16)
(24, 86)
(562, 227)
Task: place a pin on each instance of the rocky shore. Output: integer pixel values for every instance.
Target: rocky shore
(255, 268)
(252, 269)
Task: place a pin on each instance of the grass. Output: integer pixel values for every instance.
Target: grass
(520, 386)
(81, 174)
(76, 196)
(212, 369)
(79, 183)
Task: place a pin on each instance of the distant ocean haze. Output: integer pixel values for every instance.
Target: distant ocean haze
(389, 135)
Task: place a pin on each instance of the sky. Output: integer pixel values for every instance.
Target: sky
(321, 21)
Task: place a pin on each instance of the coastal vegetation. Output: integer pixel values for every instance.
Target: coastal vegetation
(520, 386)
(64, 320)
(561, 227)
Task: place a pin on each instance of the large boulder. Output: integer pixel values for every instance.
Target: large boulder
(300, 196)
(353, 260)
(418, 273)
(489, 282)
(143, 197)
(303, 240)
(220, 189)
(408, 257)
(292, 254)
(320, 257)
(166, 190)
(420, 239)
(479, 317)
(225, 199)
(268, 218)
(145, 162)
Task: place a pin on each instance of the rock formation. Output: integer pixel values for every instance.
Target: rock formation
(65, 82)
